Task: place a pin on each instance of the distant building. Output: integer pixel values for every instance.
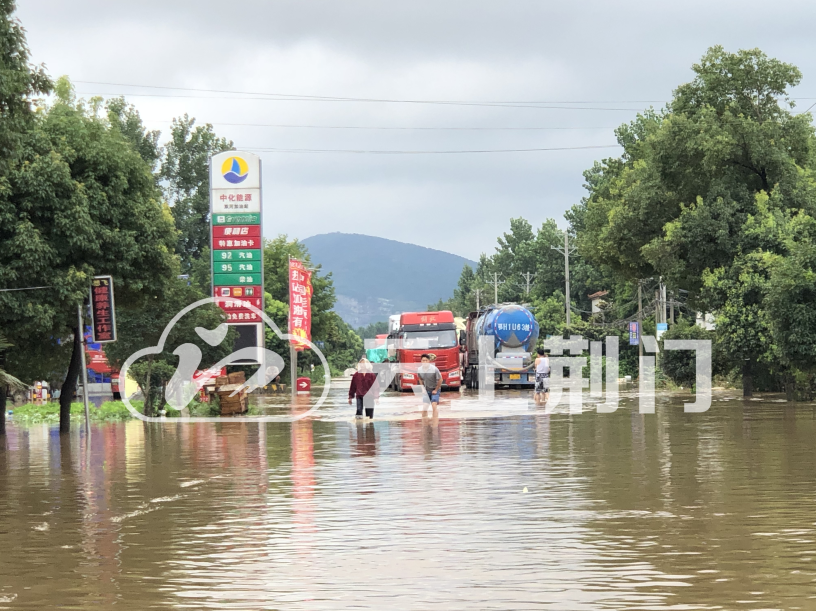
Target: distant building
(597, 299)
(706, 321)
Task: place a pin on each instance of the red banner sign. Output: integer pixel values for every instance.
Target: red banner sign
(233, 231)
(103, 318)
(230, 243)
(300, 303)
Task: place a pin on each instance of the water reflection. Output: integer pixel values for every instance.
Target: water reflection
(623, 511)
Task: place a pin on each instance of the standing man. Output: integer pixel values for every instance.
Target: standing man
(431, 378)
(542, 378)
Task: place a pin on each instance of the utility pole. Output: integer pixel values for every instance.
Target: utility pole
(665, 318)
(640, 318)
(496, 282)
(478, 294)
(566, 252)
(528, 276)
(671, 306)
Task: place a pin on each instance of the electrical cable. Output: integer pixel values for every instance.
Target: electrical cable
(451, 152)
(364, 127)
(316, 99)
(355, 99)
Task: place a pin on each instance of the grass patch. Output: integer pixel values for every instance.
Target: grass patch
(110, 411)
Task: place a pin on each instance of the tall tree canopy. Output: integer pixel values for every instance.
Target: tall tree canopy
(79, 201)
(186, 181)
(20, 84)
(704, 190)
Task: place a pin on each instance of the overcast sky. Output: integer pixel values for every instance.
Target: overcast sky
(617, 56)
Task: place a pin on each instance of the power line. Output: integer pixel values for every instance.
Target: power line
(354, 99)
(453, 152)
(364, 127)
(327, 99)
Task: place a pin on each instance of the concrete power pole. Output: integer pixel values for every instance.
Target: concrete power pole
(566, 252)
(640, 318)
(496, 282)
(478, 294)
(672, 307)
(663, 303)
(528, 276)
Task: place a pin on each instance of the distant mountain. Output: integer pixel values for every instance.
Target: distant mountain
(375, 277)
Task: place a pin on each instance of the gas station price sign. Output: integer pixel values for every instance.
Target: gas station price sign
(235, 235)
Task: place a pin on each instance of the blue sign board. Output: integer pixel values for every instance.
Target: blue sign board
(634, 334)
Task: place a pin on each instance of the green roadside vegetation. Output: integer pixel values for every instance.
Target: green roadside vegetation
(714, 196)
(86, 190)
(36, 413)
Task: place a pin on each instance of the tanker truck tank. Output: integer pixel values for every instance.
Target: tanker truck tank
(514, 331)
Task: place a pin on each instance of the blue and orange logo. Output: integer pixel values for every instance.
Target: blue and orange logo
(235, 170)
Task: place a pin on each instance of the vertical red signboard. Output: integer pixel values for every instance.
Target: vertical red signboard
(103, 315)
(300, 303)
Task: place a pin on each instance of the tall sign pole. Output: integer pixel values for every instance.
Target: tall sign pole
(81, 330)
(300, 311)
(292, 351)
(237, 244)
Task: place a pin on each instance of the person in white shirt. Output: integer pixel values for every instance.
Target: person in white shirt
(542, 378)
(431, 379)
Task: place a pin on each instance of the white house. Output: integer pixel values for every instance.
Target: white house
(597, 299)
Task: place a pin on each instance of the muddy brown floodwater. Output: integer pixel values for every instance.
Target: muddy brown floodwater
(622, 510)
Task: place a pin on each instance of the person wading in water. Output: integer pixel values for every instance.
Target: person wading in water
(542, 378)
(365, 388)
(431, 378)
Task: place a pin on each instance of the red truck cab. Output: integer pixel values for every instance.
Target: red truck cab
(432, 333)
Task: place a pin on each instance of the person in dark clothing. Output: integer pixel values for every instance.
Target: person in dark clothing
(365, 388)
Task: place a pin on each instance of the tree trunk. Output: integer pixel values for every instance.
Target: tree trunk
(3, 393)
(70, 383)
(147, 410)
(747, 381)
(790, 387)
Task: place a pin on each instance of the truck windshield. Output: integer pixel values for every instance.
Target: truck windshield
(420, 340)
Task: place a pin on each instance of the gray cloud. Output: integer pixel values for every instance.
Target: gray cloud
(514, 50)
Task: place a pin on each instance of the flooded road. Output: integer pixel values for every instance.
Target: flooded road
(622, 511)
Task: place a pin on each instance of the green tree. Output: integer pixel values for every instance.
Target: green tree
(20, 83)
(7, 382)
(126, 119)
(79, 202)
(143, 326)
(373, 330)
(680, 366)
(685, 200)
(790, 294)
(185, 176)
(341, 345)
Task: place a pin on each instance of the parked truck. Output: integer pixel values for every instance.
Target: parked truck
(512, 331)
(419, 333)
